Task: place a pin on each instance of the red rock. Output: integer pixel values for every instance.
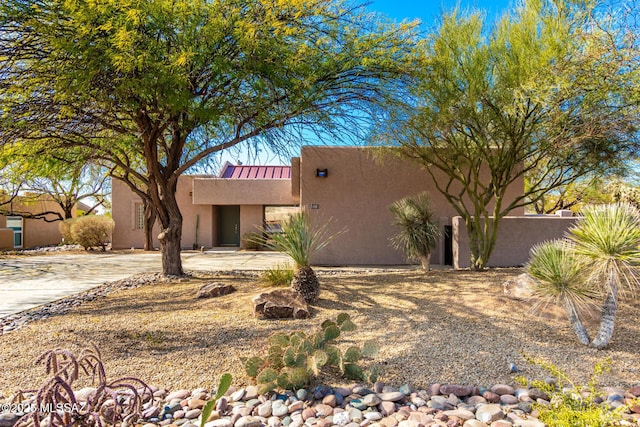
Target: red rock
(330, 400)
(456, 389)
(308, 413)
(635, 391)
(387, 408)
(491, 397)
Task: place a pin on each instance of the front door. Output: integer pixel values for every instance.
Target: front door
(229, 225)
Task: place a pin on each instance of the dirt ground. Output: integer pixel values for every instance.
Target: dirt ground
(444, 327)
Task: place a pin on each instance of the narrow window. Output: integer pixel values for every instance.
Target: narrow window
(15, 223)
(139, 208)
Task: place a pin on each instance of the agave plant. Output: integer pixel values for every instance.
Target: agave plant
(418, 232)
(599, 260)
(300, 240)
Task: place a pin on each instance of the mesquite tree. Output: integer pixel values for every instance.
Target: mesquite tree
(175, 81)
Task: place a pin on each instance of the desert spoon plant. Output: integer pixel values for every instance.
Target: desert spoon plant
(418, 232)
(300, 240)
(605, 243)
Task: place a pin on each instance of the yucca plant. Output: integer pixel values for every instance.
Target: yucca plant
(560, 279)
(608, 237)
(300, 240)
(418, 232)
(599, 260)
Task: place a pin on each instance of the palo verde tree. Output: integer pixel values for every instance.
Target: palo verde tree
(161, 72)
(493, 105)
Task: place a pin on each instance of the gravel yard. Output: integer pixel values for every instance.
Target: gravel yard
(443, 327)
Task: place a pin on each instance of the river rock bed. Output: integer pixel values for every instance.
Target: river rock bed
(446, 405)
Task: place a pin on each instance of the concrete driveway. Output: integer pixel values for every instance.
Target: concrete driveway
(28, 281)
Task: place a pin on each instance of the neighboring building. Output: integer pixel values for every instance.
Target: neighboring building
(17, 231)
(346, 186)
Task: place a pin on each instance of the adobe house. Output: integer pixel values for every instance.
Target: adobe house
(17, 232)
(346, 186)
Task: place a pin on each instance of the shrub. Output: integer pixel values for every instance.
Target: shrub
(91, 231)
(418, 232)
(572, 405)
(294, 358)
(251, 241)
(117, 402)
(65, 231)
(300, 239)
(598, 261)
(278, 275)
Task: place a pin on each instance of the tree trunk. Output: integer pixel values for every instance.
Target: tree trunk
(578, 328)
(305, 282)
(149, 222)
(170, 220)
(481, 242)
(609, 309)
(170, 238)
(425, 261)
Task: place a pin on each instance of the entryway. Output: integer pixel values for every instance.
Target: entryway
(229, 225)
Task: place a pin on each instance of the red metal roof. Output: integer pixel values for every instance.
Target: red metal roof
(256, 172)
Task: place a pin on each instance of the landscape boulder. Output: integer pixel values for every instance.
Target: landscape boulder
(280, 304)
(520, 287)
(213, 290)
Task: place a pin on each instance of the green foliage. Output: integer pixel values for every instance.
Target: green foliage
(560, 274)
(92, 231)
(598, 261)
(573, 405)
(496, 100)
(300, 239)
(251, 241)
(294, 358)
(223, 386)
(278, 275)
(157, 87)
(418, 232)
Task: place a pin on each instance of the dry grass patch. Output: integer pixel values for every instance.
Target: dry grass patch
(447, 326)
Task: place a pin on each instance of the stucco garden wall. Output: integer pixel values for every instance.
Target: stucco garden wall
(516, 237)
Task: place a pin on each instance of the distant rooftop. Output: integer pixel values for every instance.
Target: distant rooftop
(255, 172)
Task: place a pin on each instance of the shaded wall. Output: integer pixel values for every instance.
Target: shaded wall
(38, 232)
(126, 235)
(198, 198)
(516, 237)
(6, 238)
(357, 192)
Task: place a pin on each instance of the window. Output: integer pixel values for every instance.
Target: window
(274, 215)
(15, 223)
(139, 216)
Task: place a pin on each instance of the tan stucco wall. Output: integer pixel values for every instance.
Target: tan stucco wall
(217, 191)
(516, 237)
(126, 235)
(357, 193)
(37, 232)
(209, 194)
(6, 238)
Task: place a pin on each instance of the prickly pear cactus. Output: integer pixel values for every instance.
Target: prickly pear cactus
(294, 358)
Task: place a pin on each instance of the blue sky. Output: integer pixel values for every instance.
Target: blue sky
(429, 10)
